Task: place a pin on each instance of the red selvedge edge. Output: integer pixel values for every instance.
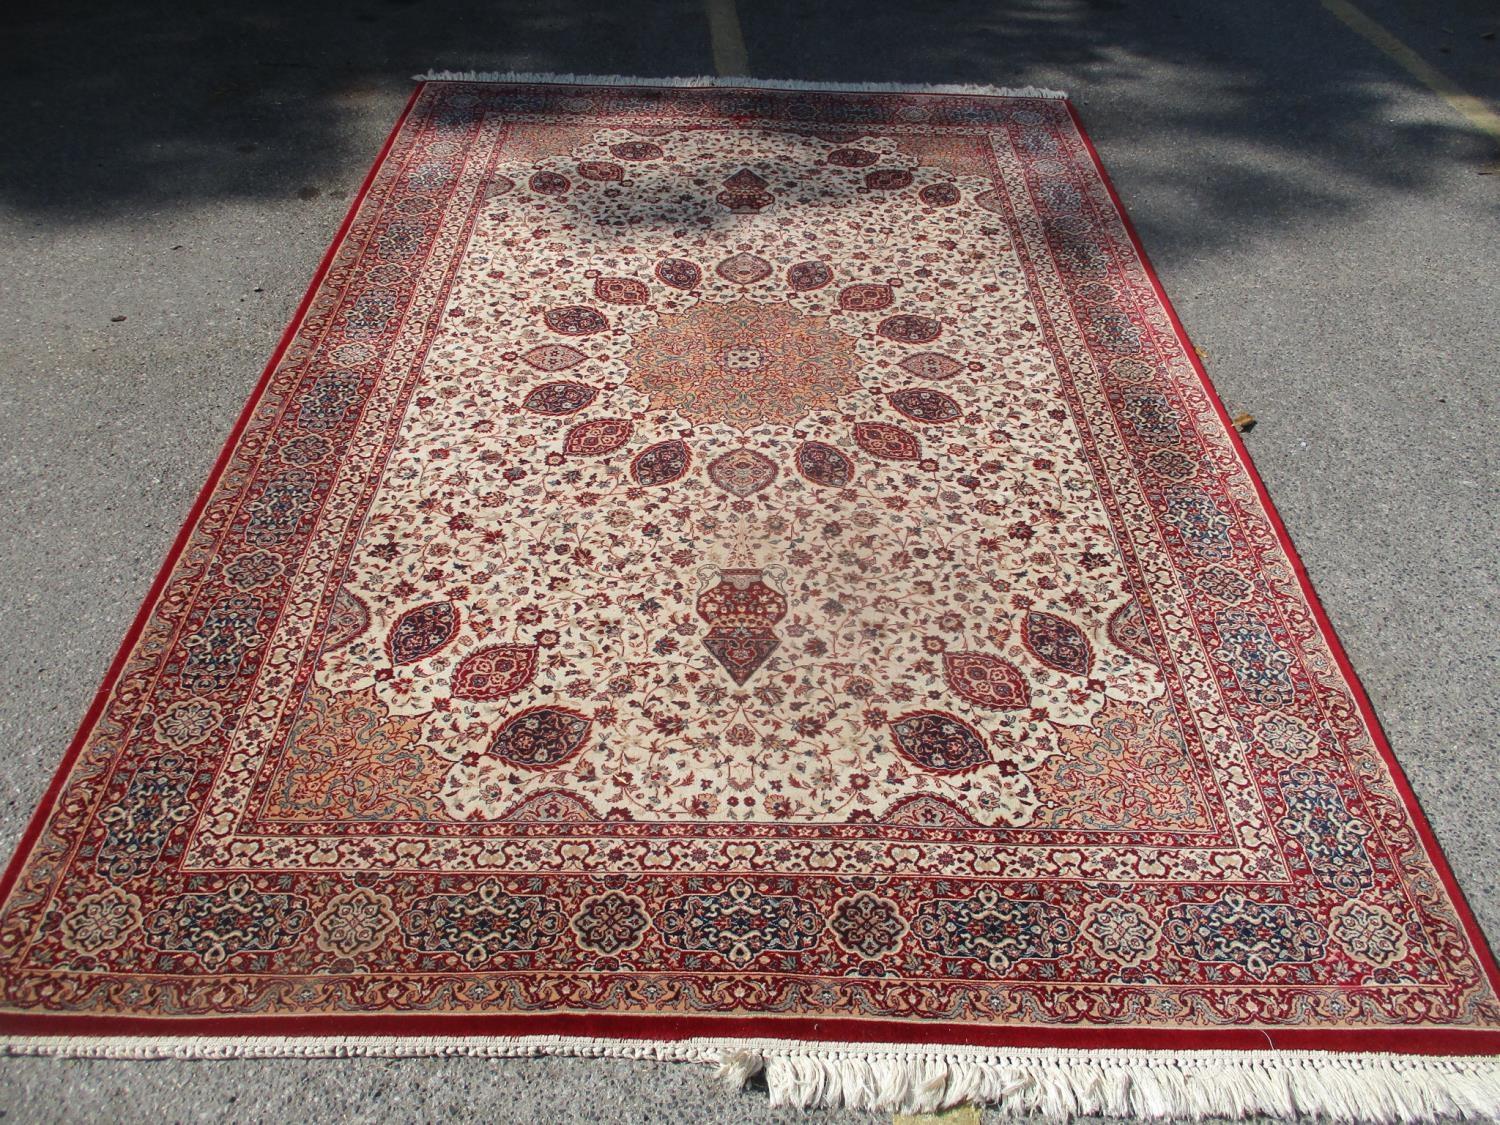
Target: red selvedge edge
(143, 615)
(1366, 709)
(1409, 1040)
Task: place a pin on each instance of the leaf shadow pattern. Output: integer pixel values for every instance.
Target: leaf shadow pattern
(1288, 118)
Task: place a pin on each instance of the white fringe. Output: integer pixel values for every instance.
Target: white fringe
(735, 83)
(1059, 1084)
(1052, 1083)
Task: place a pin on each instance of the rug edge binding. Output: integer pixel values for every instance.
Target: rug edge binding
(704, 81)
(1055, 1083)
(1052, 1082)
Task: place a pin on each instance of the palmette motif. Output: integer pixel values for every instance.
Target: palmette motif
(872, 621)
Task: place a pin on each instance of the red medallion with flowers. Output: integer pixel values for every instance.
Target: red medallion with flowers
(707, 555)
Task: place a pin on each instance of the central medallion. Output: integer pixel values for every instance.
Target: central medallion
(743, 364)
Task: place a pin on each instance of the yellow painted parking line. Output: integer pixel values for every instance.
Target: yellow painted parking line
(726, 39)
(958, 1115)
(1475, 110)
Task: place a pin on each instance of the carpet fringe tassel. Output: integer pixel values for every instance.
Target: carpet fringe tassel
(1051, 1083)
(731, 82)
(1058, 1085)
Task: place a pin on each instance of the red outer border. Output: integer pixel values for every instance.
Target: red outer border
(1409, 1040)
(127, 646)
(1325, 626)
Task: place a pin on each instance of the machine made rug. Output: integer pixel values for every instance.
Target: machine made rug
(752, 574)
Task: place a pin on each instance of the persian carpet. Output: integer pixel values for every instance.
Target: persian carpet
(751, 574)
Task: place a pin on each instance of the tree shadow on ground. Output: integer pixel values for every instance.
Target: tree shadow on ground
(1284, 115)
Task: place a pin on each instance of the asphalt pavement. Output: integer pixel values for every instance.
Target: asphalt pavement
(170, 175)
